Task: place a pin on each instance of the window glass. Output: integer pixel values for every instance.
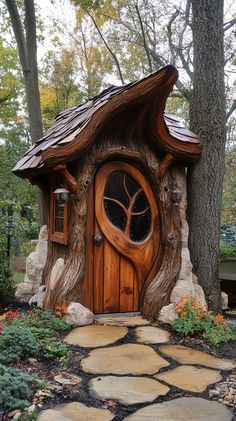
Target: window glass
(131, 215)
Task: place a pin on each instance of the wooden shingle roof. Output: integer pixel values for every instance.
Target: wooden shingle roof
(74, 129)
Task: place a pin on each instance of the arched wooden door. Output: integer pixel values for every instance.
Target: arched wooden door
(126, 237)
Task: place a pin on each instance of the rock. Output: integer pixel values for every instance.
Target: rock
(185, 355)
(78, 315)
(183, 409)
(56, 272)
(95, 335)
(127, 390)
(129, 321)
(224, 300)
(32, 361)
(167, 314)
(31, 408)
(191, 378)
(184, 233)
(38, 299)
(75, 411)
(151, 335)
(199, 296)
(124, 359)
(214, 392)
(35, 263)
(14, 413)
(24, 291)
(186, 265)
(67, 379)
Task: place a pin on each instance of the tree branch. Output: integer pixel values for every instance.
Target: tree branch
(228, 25)
(107, 46)
(231, 110)
(178, 51)
(144, 37)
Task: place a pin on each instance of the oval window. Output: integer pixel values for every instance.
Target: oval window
(126, 206)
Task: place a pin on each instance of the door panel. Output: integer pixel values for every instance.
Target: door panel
(111, 277)
(125, 237)
(127, 285)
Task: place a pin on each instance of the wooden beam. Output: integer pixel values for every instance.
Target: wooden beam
(67, 177)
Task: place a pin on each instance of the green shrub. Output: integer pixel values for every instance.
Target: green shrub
(14, 388)
(227, 251)
(6, 281)
(48, 320)
(217, 330)
(16, 343)
(41, 333)
(54, 349)
(193, 319)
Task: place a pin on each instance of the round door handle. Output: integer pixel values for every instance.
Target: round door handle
(98, 238)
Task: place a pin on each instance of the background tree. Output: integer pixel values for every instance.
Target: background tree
(25, 35)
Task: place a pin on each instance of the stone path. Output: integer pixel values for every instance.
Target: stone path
(132, 363)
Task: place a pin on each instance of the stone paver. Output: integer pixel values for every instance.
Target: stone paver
(132, 321)
(185, 355)
(123, 359)
(191, 378)
(183, 409)
(75, 411)
(151, 335)
(127, 390)
(94, 336)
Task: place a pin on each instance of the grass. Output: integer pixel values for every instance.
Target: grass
(18, 277)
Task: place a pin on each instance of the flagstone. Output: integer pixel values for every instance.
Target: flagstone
(131, 321)
(185, 355)
(183, 409)
(95, 336)
(151, 335)
(191, 378)
(124, 359)
(75, 411)
(127, 390)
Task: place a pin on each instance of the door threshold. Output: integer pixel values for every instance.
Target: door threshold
(109, 315)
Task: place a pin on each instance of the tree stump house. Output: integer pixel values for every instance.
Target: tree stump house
(106, 171)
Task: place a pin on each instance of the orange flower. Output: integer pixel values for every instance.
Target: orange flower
(184, 314)
(219, 318)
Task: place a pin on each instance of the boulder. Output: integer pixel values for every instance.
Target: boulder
(38, 299)
(167, 314)
(78, 315)
(56, 272)
(186, 265)
(224, 300)
(24, 291)
(35, 263)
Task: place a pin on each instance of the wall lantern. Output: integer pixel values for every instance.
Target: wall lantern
(176, 195)
(62, 196)
(10, 229)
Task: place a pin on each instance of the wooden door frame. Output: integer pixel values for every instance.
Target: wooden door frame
(87, 291)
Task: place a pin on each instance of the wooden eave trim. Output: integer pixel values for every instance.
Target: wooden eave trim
(185, 152)
(148, 88)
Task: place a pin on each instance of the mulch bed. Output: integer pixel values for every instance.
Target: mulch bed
(58, 394)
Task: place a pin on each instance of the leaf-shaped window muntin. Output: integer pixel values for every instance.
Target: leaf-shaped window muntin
(127, 206)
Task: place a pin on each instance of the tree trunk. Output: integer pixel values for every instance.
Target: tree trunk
(208, 120)
(27, 49)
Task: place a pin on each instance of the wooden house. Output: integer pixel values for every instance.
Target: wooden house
(106, 172)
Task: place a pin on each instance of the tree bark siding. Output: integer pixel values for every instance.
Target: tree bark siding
(208, 120)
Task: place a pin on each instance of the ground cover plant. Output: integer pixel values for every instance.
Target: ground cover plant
(14, 388)
(194, 319)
